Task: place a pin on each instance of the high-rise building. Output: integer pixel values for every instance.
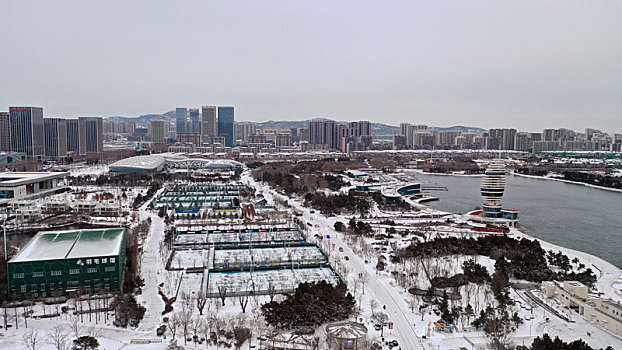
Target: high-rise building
(522, 142)
(195, 121)
(294, 133)
(446, 138)
(181, 119)
(157, 131)
(226, 124)
(322, 134)
(130, 128)
(26, 125)
(91, 131)
(55, 130)
(283, 140)
(209, 123)
(185, 139)
(108, 127)
(492, 187)
(248, 129)
(409, 131)
(303, 134)
(73, 135)
(501, 139)
(257, 138)
(364, 128)
(5, 132)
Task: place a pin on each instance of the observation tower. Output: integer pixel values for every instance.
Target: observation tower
(492, 188)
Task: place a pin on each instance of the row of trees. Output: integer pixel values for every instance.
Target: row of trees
(546, 343)
(140, 199)
(337, 204)
(59, 338)
(208, 326)
(524, 259)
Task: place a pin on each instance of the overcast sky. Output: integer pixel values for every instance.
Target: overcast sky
(522, 64)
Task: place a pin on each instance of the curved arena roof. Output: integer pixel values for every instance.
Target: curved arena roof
(152, 162)
(157, 162)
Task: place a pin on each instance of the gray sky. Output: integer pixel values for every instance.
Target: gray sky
(522, 64)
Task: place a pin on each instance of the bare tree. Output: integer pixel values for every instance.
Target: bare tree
(201, 300)
(243, 300)
(381, 318)
(58, 338)
(94, 331)
(74, 326)
(271, 290)
(222, 293)
(5, 315)
(412, 303)
(206, 328)
(31, 340)
(373, 304)
(184, 319)
(173, 324)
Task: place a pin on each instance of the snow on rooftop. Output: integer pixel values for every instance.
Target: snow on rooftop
(71, 244)
(346, 330)
(152, 161)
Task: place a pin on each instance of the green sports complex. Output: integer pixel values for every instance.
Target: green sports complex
(59, 262)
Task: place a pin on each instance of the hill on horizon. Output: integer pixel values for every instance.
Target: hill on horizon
(377, 128)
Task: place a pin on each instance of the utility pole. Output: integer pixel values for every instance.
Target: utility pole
(6, 216)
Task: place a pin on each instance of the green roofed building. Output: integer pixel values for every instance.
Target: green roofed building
(59, 262)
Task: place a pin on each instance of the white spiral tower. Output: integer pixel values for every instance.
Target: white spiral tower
(492, 187)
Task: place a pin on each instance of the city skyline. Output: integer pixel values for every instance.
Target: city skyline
(173, 120)
(481, 64)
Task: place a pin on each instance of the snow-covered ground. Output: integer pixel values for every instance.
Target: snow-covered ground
(410, 323)
(375, 291)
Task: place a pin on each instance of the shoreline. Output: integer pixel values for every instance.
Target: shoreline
(566, 181)
(607, 273)
(419, 171)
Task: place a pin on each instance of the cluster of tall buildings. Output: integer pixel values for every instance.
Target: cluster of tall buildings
(25, 130)
(330, 135)
(421, 137)
(211, 124)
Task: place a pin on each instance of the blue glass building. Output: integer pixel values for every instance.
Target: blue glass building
(226, 125)
(181, 117)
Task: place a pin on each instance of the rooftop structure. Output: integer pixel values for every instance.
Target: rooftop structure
(53, 245)
(346, 335)
(153, 162)
(157, 162)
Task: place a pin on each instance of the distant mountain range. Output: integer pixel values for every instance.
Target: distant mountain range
(377, 128)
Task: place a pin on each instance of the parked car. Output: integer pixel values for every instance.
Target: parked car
(346, 257)
(341, 249)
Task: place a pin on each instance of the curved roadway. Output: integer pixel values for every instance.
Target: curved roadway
(404, 331)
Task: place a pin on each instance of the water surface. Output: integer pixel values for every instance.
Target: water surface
(573, 216)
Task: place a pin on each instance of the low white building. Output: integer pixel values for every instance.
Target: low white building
(606, 313)
(16, 186)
